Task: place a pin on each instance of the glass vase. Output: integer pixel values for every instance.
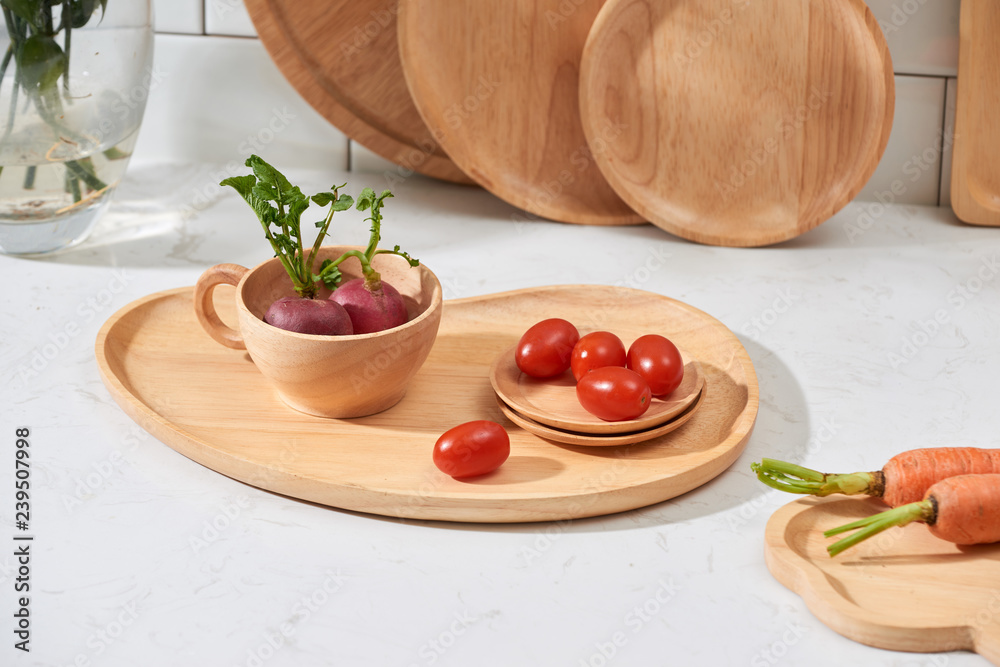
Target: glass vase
(75, 78)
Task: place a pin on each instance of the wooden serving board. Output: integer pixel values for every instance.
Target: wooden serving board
(975, 175)
(903, 590)
(497, 82)
(742, 123)
(341, 56)
(210, 404)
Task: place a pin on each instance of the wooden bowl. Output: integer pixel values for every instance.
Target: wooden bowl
(327, 376)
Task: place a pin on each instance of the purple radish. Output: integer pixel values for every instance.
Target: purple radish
(309, 316)
(371, 310)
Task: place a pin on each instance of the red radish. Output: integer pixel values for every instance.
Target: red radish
(963, 510)
(904, 479)
(371, 310)
(371, 305)
(309, 316)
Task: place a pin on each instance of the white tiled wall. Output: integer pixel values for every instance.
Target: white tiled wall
(239, 105)
(922, 34)
(922, 37)
(180, 16)
(228, 17)
(949, 140)
(910, 169)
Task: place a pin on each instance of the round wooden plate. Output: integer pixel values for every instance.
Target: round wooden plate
(903, 590)
(496, 81)
(212, 405)
(341, 56)
(743, 123)
(553, 402)
(585, 440)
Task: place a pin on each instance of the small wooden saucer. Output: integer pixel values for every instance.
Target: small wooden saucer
(586, 440)
(553, 402)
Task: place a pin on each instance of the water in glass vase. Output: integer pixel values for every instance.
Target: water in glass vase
(52, 205)
(74, 80)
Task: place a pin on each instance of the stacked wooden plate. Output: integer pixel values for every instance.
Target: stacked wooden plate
(549, 407)
(721, 121)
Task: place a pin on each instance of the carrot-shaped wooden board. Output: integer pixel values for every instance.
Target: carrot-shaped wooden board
(904, 590)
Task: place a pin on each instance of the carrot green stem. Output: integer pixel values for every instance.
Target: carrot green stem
(900, 516)
(793, 478)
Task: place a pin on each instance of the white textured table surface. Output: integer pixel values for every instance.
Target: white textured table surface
(142, 557)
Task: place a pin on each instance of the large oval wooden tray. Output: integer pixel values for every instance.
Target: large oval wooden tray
(742, 123)
(341, 56)
(210, 404)
(904, 590)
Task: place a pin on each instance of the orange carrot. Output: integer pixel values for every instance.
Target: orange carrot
(904, 479)
(963, 509)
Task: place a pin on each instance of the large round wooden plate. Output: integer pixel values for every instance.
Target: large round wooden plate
(742, 123)
(497, 82)
(212, 405)
(341, 56)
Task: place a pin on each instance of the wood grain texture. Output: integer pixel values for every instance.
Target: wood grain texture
(904, 590)
(975, 172)
(742, 123)
(212, 405)
(589, 440)
(341, 56)
(553, 401)
(326, 376)
(496, 80)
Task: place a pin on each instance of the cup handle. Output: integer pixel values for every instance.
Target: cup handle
(204, 307)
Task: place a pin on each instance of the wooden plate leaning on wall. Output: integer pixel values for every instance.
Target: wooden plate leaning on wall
(341, 56)
(496, 81)
(742, 123)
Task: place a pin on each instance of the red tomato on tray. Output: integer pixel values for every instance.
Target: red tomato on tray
(472, 449)
(544, 350)
(614, 394)
(596, 350)
(658, 361)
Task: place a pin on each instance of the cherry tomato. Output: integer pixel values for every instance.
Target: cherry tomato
(614, 393)
(657, 360)
(472, 448)
(596, 350)
(544, 350)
